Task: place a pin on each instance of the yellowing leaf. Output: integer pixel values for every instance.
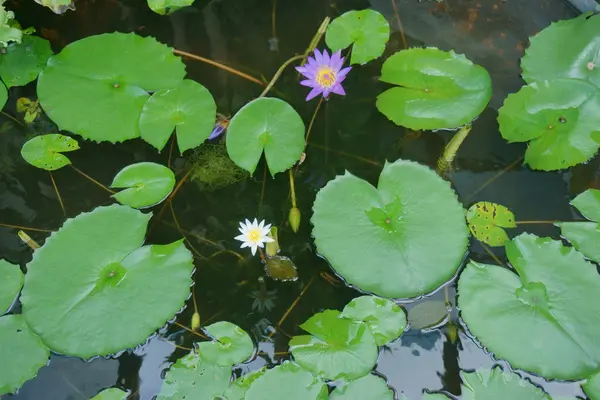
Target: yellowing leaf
(486, 221)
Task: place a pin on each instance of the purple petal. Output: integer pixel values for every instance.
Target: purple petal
(318, 57)
(311, 62)
(308, 82)
(326, 92)
(338, 89)
(344, 72)
(326, 58)
(336, 60)
(314, 93)
(217, 131)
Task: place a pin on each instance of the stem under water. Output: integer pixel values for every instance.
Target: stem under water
(445, 161)
(62, 205)
(292, 188)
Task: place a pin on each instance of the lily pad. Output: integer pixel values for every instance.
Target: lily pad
(427, 314)
(287, 381)
(486, 221)
(545, 319)
(96, 87)
(166, 7)
(391, 256)
(437, 89)
(92, 290)
(558, 118)
(239, 387)
(281, 268)
(339, 348)
(193, 378)
(369, 387)
(592, 387)
(58, 6)
(22, 353)
(585, 236)
(588, 204)
(367, 30)
(8, 32)
(231, 345)
(188, 107)
(23, 62)
(267, 124)
(147, 184)
(111, 394)
(565, 49)
(3, 95)
(11, 282)
(44, 151)
(385, 318)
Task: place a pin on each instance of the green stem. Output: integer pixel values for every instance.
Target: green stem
(445, 161)
(279, 72)
(292, 188)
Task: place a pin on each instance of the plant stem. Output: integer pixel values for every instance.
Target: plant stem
(397, 15)
(279, 72)
(28, 240)
(91, 179)
(13, 118)
(292, 188)
(293, 305)
(62, 206)
(493, 178)
(25, 228)
(534, 222)
(317, 37)
(190, 331)
(445, 161)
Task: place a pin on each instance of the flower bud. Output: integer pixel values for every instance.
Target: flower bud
(195, 321)
(294, 219)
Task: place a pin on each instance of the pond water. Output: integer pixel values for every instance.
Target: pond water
(348, 134)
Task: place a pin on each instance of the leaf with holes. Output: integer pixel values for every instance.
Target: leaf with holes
(427, 313)
(486, 221)
(22, 353)
(267, 124)
(231, 345)
(385, 318)
(188, 108)
(435, 89)
(146, 184)
(97, 87)
(11, 282)
(166, 7)
(287, 381)
(366, 30)
(45, 151)
(57, 6)
(369, 387)
(108, 293)
(544, 319)
(558, 118)
(111, 394)
(23, 62)
(585, 236)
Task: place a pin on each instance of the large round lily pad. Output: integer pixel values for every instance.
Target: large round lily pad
(232, 345)
(22, 353)
(145, 184)
(165, 7)
(381, 239)
(338, 348)
(558, 118)
(267, 124)
(96, 87)
(111, 394)
(188, 107)
(385, 318)
(45, 151)
(565, 49)
(287, 381)
(436, 89)
(91, 290)
(369, 387)
(23, 62)
(544, 320)
(585, 236)
(367, 30)
(11, 282)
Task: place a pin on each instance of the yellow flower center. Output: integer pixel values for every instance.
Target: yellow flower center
(254, 235)
(325, 76)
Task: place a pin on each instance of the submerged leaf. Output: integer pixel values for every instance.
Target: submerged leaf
(436, 89)
(23, 62)
(281, 268)
(11, 282)
(427, 314)
(44, 151)
(58, 6)
(231, 345)
(369, 387)
(486, 221)
(111, 394)
(367, 30)
(166, 7)
(385, 318)
(147, 184)
(287, 381)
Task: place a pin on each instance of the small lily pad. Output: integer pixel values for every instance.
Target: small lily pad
(591, 386)
(8, 31)
(3, 95)
(588, 204)
(193, 378)
(231, 345)
(166, 7)
(281, 268)
(486, 221)
(267, 124)
(385, 318)
(339, 348)
(188, 107)
(44, 151)
(22, 353)
(558, 118)
(239, 387)
(23, 62)
(369, 387)
(367, 30)
(287, 381)
(585, 236)
(11, 282)
(57, 6)
(436, 89)
(147, 184)
(111, 394)
(427, 314)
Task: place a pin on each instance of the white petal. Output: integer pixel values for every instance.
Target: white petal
(268, 227)
(260, 244)
(255, 223)
(247, 223)
(241, 230)
(253, 250)
(245, 244)
(262, 224)
(267, 239)
(240, 237)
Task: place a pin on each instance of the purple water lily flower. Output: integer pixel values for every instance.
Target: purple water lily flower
(325, 74)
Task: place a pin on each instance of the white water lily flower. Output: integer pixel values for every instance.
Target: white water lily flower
(254, 235)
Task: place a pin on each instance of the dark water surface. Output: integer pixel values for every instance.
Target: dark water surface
(348, 134)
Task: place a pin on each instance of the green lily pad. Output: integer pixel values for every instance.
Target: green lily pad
(44, 151)
(8, 32)
(585, 236)
(111, 394)
(558, 118)
(391, 257)
(545, 319)
(147, 184)
(367, 30)
(96, 87)
(231, 345)
(192, 378)
(588, 204)
(564, 49)
(338, 348)
(166, 7)
(239, 387)
(369, 387)
(385, 318)
(3, 95)
(287, 381)
(188, 107)
(92, 290)
(267, 124)
(486, 221)
(281, 268)
(437, 89)
(11, 282)
(57, 6)
(22, 353)
(592, 387)
(23, 62)
(427, 314)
